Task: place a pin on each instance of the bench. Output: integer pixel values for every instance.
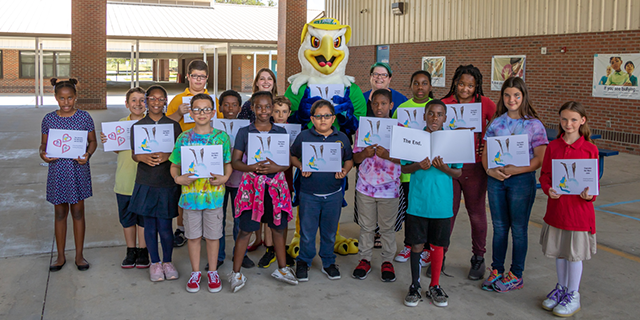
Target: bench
(601, 154)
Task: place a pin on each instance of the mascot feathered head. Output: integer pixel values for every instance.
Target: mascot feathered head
(323, 54)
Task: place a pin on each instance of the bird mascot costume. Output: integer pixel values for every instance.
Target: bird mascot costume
(323, 55)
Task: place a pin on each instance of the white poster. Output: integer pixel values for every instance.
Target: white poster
(614, 76)
(230, 126)
(411, 118)
(464, 115)
(326, 91)
(505, 150)
(293, 129)
(202, 161)
(187, 116)
(118, 134)
(436, 66)
(151, 138)
(375, 131)
(416, 145)
(572, 176)
(274, 146)
(68, 144)
(321, 157)
(504, 67)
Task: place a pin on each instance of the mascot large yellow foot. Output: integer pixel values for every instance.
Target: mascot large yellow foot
(342, 245)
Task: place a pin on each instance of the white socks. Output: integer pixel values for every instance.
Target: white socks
(569, 274)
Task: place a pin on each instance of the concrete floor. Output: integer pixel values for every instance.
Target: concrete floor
(106, 291)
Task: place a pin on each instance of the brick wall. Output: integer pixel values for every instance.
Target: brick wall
(552, 79)
(89, 52)
(246, 72)
(292, 16)
(11, 82)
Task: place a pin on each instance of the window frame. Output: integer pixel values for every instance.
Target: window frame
(54, 64)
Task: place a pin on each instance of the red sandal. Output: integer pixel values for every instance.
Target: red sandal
(254, 246)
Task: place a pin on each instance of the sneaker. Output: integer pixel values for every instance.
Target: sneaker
(268, 258)
(193, 285)
(404, 254)
(302, 271)
(179, 239)
(362, 270)
(247, 263)
(129, 261)
(238, 280)
(213, 280)
(508, 283)
(155, 272)
(170, 272)
(493, 277)
(554, 297)
(438, 296)
(388, 273)
(569, 305)
(425, 258)
(285, 275)
(413, 297)
(332, 272)
(142, 259)
(477, 268)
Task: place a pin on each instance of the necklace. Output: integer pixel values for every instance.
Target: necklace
(513, 130)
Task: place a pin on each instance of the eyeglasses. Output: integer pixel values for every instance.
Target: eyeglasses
(380, 75)
(323, 116)
(198, 77)
(154, 99)
(202, 110)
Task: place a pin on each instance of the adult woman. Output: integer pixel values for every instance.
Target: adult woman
(265, 80)
(380, 77)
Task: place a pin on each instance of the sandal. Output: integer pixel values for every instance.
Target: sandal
(377, 243)
(254, 246)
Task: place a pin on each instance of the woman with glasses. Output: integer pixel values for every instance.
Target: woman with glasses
(380, 78)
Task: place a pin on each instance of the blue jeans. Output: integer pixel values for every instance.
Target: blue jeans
(319, 212)
(229, 196)
(510, 202)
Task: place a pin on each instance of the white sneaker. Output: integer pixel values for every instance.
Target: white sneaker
(554, 297)
(404, 254)
(238, 280)
(285, 275)
(569, 305)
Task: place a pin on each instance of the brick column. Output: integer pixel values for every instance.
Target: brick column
(292, 15)
(89, 52)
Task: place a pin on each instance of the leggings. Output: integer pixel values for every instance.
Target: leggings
(153, 226)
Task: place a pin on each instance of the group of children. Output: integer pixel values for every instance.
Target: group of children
(260, 193)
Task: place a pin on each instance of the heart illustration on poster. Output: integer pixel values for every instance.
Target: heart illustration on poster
(57, 142)
(119, 130)
(121, 140)
(66, 138)
(65, 147)
(112, 136)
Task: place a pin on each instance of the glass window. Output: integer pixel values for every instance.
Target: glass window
(53, 64)
(63, 64)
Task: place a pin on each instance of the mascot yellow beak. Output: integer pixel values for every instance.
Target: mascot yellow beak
(326, 57)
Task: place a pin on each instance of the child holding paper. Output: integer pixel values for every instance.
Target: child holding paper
(429, 212)
(421, 89)
(68, 180)
(320, 193)
(569, 230)
(466, 87)
(377, 192)
(125, 179)
(202, 198)
(512, 189)
(155, 195)
(263, 195)
(198, 75)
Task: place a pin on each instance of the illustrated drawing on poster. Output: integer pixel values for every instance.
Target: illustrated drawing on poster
(411, 118)
(268, 146)
(375, 131)
(68, 144)
(572, 176)
(436, 66)
(464, 115)
(293, 129)
(321, 157)
(327, 91)
(504, 67)
(118, 134)
(153, 138)
(505, 150)
(614, 76)
(230, 126)
(202, 161)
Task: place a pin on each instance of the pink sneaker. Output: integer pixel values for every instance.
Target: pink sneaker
(194, 282)
(155, 272)
(214, 281)
(404, 255)
(170, 271)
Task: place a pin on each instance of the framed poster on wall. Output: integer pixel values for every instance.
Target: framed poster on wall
(382, 53)
(614, 76)
(504, 67)
(436, 66)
